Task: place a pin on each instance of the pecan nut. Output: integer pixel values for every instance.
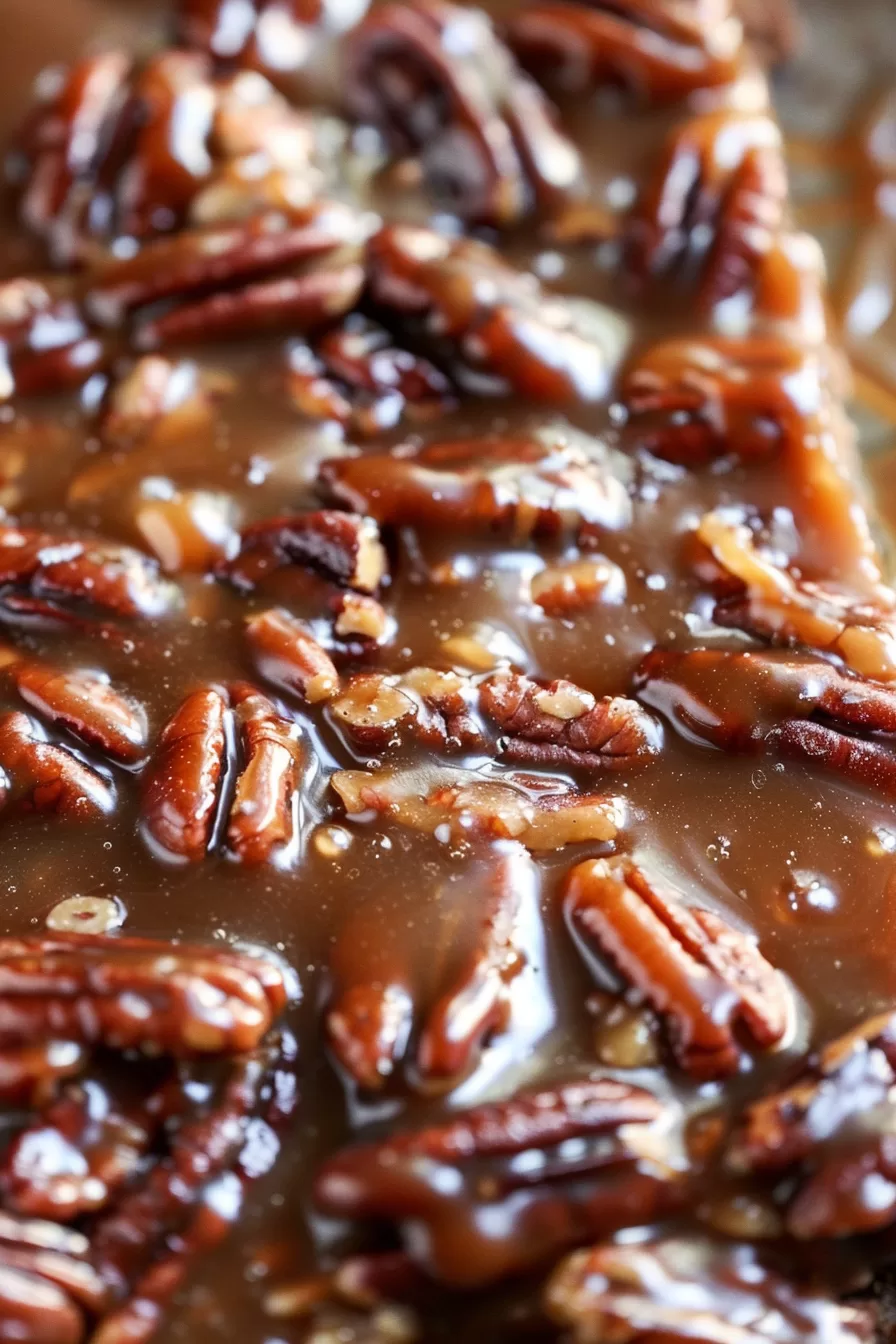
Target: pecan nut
(183, 785)
(468, 1212)
(39, 776)
(440, 83)
(782, 704)
(766, 600)
(699, 972)
(47, 343)
(288, 656)
(826, 1140)
(531, 489)
(48, 1287)
(722, 171)
(343, 547)
(541, 814)
(486, 321)
(662, 52)
(683, 1290)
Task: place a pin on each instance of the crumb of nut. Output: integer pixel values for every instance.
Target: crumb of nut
(627, 1037)
(361, 615)
(87, 914)
(331, 842)
(563, 590)
(482, 648)
(290, 1301)
(745, 1217)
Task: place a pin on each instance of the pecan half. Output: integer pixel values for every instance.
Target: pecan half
(768, 601)
(357, 376)
(436, 78)
(130, 993)
(367, 1028)
(680, 1291)
(661, 52)
(47, 343)
(541, 814)
(782, 704)
(123, 149)
(342, 546)
(288, 656)
(183, 785)
(469, 1213)
(486, 321)
(41, 777)
(50, 574)
(81, 701)
(563, 488)
(700, 973)
(48, 1287)
(721, 171)
(690, 401)
(828, 1137)
(560, 724)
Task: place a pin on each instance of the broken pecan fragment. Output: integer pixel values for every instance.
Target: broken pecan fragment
(45, 573)
(81, 701)
(40, 777)
(660, 52)
(783, 704)
(560, 487)
(469, 1213)
(560, 724)
(486, 321)
(541, 814)
(723, 172)
(438, 81)
(183, 782)
(161, 400)
(690, 401)
(119, 149)
(700, 973)
(287, 655)
(562, 590)
(376, 711)
(357, 376)
(768, 601)
(682, 1291)
(129, 993)
(46, 342)
(828, 1137)
(367, 1027)
(343, 547)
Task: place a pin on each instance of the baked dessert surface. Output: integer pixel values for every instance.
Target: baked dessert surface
(448, 676)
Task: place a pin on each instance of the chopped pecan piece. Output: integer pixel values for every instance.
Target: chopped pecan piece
(183, 794)
(42, 777)
(160, 399)
(262, 815)
(376, 711)
(562, 590)
(357, 376)
(287, 655)
(129, 993)
(661, 52)
(690, 401)
(45, 573)
(540, 814)
(443, 1185)
(122, 149)
(359, 617)
(560, 724)
(783, 704)
(828, 1137)
(81, 701)
(436, 78)
(46, 341)
(486, 321)
(703, 975)
(367, 1026)
(681, 1291)
(768, 601)
(528, 488)
(343, 547)
(722, 171)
